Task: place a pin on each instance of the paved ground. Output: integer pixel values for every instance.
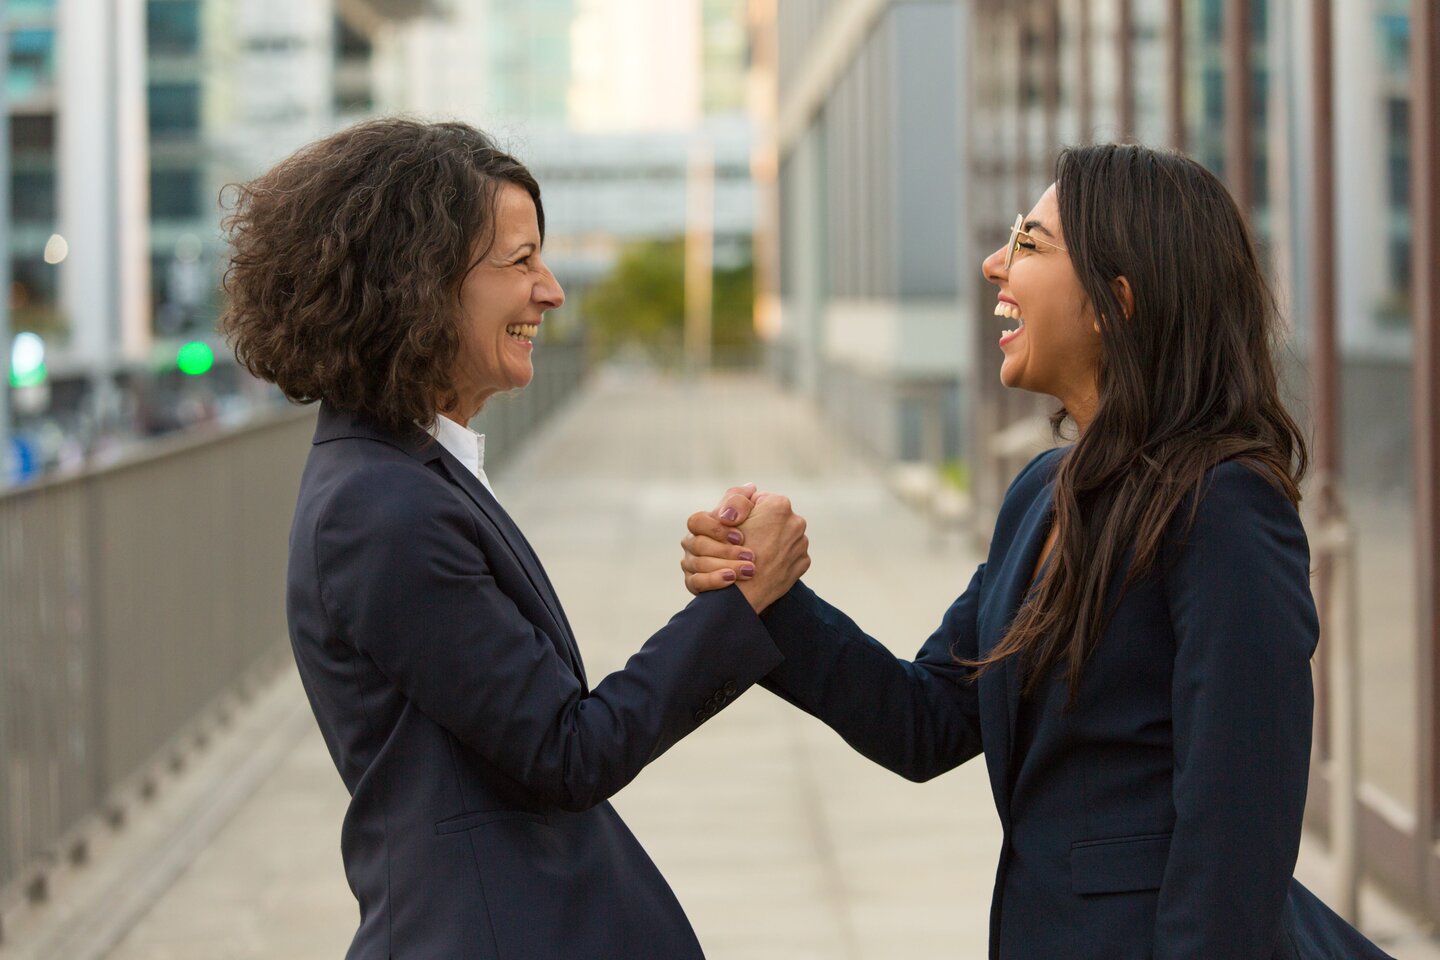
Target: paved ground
(779, 841)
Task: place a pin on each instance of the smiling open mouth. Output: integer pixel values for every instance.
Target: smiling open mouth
(1010, 312)
(524, 332)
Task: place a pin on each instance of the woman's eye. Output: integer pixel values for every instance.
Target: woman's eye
(1026, 245)
(523, 261)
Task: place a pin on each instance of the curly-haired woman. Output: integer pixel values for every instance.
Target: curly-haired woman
(394, 272)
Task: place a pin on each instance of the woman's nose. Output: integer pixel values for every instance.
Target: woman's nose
(549, 292)
(993, 267)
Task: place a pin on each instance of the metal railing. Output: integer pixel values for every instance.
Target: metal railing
(131, 597)
(139, 597)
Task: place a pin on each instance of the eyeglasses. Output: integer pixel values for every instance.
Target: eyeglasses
(1017, 233)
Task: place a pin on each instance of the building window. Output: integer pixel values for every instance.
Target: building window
(32, 61)
(1400, 264)
(1395, 42)
(174, 194)
(174, 108)
(33, 133)
(348, 43)
(32, 196)
(172, 27)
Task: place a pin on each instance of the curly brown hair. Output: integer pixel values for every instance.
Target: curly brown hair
(347, 259)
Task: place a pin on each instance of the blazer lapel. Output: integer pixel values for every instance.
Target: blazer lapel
(333, 424)
(520, 547)
(1000, 689)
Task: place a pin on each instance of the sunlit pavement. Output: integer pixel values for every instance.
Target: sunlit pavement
(779, 841)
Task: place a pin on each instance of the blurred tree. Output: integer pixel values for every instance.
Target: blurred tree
(642, 303)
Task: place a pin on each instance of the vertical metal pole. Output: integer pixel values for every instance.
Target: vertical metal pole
(1239, 118)
(1322, 274)
(699, 257)
(5, 335)
(1176, 91)
(765, 165)
(1125, 51)
(1052, 84)
(1023, 173)
(1084, 89)
(1425, 280)
(1324, 362)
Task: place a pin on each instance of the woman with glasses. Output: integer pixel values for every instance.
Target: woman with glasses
(1133, 658)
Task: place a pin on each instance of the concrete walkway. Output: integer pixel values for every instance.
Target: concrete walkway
(780, 842)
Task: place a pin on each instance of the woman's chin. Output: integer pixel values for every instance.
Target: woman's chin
(1010, 375)
(520, 378)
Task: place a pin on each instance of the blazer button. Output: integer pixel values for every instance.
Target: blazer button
(730, 688)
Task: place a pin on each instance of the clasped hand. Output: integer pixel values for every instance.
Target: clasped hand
(753, 539)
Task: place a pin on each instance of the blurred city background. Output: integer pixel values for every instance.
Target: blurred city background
(768, 216)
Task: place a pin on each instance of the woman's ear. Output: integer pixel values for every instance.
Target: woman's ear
(1126, 296)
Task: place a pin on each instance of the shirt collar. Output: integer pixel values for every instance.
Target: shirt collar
(464, 444)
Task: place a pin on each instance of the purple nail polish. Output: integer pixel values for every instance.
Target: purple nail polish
(727, 575)
(734, 537)
(746, 555)
(747, 569)
(729, 514)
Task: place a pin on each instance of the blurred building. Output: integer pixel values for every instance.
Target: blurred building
(126, 123)
(870, 139)
(31, 95)
(496, 65)
(603, 191)
(898, 176)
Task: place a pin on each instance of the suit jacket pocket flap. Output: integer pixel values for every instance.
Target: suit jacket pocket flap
(1121, 865)
(467, 821)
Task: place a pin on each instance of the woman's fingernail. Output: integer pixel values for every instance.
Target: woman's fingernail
(729, 514)
(734, 537)
(727, 575)
(747, 570)
(746, 555)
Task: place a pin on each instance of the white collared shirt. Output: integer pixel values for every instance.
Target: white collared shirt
(464, 445)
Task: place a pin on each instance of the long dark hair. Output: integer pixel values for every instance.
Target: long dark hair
(1187, 382)
(346, 261)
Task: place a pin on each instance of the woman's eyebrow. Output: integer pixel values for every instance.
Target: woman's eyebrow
(1037, 225)
(522, 246)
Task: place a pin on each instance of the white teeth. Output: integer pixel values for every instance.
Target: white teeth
(523, 331)
(1008, 310)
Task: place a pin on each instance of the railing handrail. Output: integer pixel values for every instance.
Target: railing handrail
(163, 447)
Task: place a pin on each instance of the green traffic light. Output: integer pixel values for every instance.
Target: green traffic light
(195, 358)
(28, 378)
(27, 360)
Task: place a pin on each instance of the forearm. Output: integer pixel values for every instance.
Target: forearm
(701, 661)
(915, 719)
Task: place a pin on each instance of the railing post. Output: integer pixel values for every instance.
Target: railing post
(1239, 149)
(1340, 628)
(1425, 252)
(1176, 89)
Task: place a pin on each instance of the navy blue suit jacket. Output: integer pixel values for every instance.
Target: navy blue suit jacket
(1160, 816)
(450, 691)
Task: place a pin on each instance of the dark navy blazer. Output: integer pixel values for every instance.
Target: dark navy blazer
(450, 692)
(1160, 816)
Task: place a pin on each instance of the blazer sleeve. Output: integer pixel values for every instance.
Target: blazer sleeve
(1245, 628)
(918, 719)
(404, 581)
